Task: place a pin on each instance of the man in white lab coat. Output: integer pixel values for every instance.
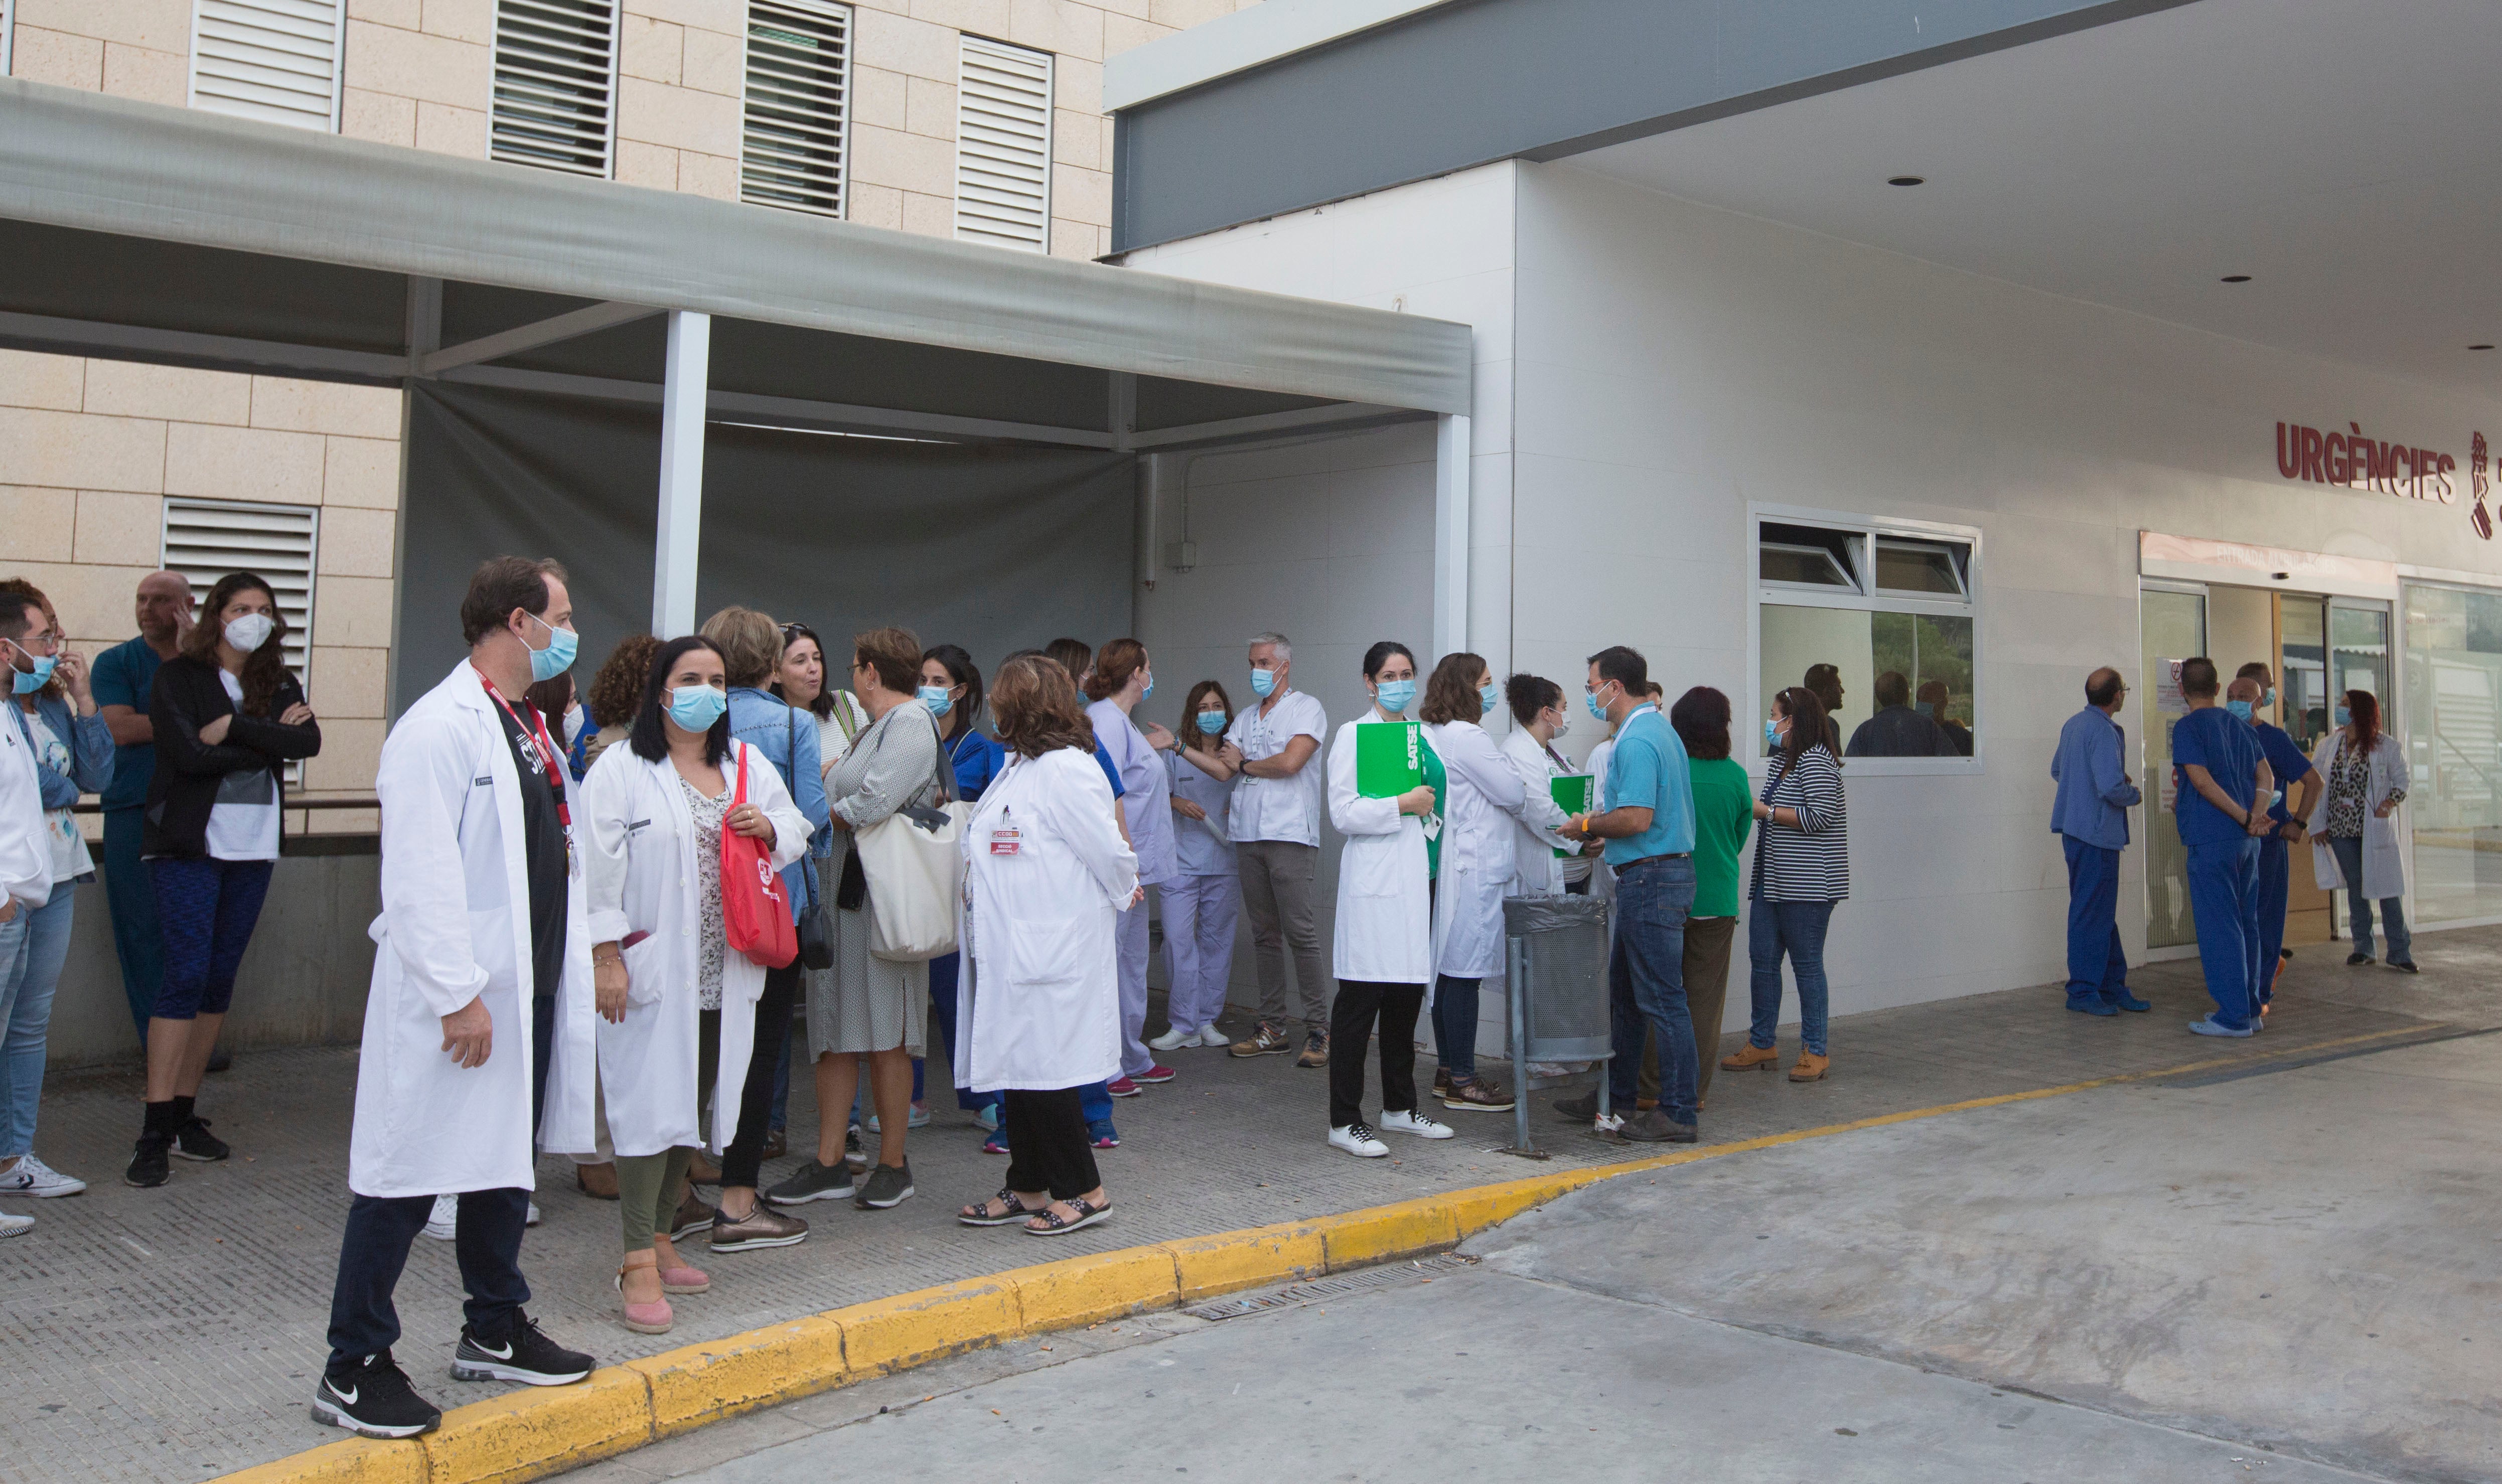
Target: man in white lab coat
(25, 849)
(483, 954)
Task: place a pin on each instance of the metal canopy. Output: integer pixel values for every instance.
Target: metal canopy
(136, 231)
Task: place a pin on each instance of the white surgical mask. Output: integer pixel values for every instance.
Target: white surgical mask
(251, 631)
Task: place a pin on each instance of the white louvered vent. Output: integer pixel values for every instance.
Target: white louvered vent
(799, 105)
(556, 85)
(1004, 145)
(275, 60)
(206, 539)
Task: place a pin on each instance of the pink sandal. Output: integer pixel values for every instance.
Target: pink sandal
(644, 1318)
(676, 1276)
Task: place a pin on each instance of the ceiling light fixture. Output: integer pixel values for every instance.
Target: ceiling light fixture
(2237, 278)
(1908, 180)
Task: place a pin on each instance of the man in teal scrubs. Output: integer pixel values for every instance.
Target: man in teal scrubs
(121, 677)
(2222, 779)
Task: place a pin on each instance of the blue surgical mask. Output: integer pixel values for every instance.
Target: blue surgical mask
(1147, 689)
(1590, 698)
(1491, 697)
(28, 682)
(1771, 736)
(1395, 696)
(2240, 709)
(2345, 718)
(1212, 723)
(941, 699)
(1263, 682)
(2269, 699)
(557, 658)
(695, 708)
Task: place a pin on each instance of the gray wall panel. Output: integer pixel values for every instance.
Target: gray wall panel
(1487, 80)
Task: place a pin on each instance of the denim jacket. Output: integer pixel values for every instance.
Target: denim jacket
(90, 744)
(788, 738)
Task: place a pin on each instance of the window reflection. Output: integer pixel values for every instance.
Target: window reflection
(2453, 741)
(1905, 679)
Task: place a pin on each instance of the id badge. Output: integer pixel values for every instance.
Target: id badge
(1005, 841)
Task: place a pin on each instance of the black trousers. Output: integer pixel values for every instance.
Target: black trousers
(363, 1321)
(744, 1157)
(1047, 1147)
(1359, 1002)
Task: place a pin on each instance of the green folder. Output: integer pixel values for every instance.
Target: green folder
(1572, 793)
(1389, 758)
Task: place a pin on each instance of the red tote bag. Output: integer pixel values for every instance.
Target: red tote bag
(754, 907)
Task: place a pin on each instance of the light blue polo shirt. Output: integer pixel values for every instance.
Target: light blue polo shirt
(1648, 770)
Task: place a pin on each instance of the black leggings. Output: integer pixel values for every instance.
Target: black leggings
(1047, 1147)
(1359, 1003)
(744, 1159)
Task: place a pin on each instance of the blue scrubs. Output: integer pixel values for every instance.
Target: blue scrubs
(2276, 864)
(2097, 967)
(2224, 857)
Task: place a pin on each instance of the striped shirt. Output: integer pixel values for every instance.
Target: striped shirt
(1811, 861)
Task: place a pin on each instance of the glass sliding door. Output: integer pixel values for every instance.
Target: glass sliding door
(2452, 734)
(2173, 626)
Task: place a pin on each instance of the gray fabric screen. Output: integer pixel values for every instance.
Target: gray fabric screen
(992, 548)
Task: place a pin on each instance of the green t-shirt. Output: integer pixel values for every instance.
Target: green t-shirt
(1440, 778)
(1724, 811)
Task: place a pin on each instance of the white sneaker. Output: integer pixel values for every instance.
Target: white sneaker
(31, 1176)
(1174, 1039)
(1209, 1035)
(442, 1222)
(1416, 1124)
(532, 1219)
(14, 1224)
(1357, 1140)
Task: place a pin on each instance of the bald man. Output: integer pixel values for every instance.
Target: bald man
(2091, 817)
(121, 677)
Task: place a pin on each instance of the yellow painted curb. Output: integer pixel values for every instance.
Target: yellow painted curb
(536, 1431)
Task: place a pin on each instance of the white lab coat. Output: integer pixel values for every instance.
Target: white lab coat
(2384, 856)
(1385, 889)
(1039, 1006)
(455, 927)
(1484, 809)
(25, 840)
(638, 844)
(1535, 869)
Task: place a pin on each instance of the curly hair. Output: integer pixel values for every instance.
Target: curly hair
(1451, 693)
(617, 690)
(1035, 705)
(264, 669)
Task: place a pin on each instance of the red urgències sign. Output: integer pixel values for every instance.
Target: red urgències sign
(2351, 460)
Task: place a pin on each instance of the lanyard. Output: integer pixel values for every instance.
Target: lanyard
(536, 735)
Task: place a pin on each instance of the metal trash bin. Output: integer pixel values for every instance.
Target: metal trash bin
(1556, 968)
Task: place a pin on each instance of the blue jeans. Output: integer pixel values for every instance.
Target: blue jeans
(1455, 1024)
(2358, 907)
(2224, 900)
(40, 940)
(131, 896)
(2276, 885)
(1797, 927)
(2097, 968)
(1646, 984)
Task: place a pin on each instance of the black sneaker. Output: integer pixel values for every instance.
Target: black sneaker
(525, 1355)
(1581, 1109)
(887, 1187)
(2357, 961)
(147, 1167)
(196, 1142)
(812, 1181)
(374, 1400)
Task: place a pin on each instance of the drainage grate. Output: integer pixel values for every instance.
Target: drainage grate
(1295, 1296)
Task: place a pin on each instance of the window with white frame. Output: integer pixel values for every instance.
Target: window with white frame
(554, 102)
(1886, 614)
(1004, 145)
(274, 60)
(206, 539)
(796, 148)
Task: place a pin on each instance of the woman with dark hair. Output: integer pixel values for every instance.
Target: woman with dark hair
(1047, 875)
(1384, 949)
(2356, 841)
(951, 687)
(1483, 808)
(867, 1009)
(228, 717)
(1724, 811)
(677, 1005)
(1121, 678)
(615, 693)
(1204, 900)
(1539, 718)
(1802, 869)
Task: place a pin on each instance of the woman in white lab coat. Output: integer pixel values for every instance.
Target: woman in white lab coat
(1538, 719)
(1384, 951)
(677, 1004)
(1038, 1010)
(1483, 809)
(2357, 840)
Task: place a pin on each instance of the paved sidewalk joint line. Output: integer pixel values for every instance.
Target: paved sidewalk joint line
(532, 1432)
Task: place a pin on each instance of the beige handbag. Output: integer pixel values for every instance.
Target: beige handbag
(914, 861)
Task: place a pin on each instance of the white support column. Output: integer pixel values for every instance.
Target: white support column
(683, 395)
(1450, 535)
